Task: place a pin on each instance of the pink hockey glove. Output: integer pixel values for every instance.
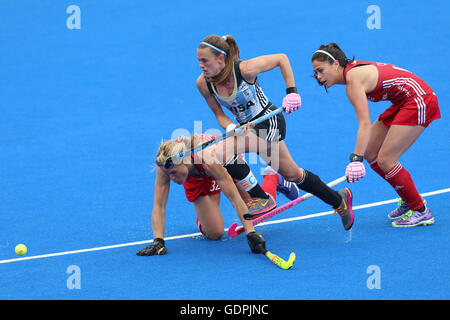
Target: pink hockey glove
(355, 171)
(292, 101)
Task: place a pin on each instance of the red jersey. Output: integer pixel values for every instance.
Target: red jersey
(201, 183)
(394, 84)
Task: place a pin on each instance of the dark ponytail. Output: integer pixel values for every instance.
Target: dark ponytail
(334, 50)
(330, 52)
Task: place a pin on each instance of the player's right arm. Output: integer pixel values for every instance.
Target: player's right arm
(162, 186)
(356, 93)
(357, 86)
(221, 117)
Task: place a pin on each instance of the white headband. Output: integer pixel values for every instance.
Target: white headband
(327, 53)
(213, 47)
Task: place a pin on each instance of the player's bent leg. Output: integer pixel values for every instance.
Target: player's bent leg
(378, 133)
(281, 160)
(228, 148)
(210, 220)
(305, 180)
(398, 139)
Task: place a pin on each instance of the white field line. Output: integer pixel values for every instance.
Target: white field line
(373, 204)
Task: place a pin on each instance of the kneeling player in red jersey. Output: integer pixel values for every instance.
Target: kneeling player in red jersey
(203, 178)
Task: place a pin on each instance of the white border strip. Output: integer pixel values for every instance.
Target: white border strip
(374, 204)
(363, 206)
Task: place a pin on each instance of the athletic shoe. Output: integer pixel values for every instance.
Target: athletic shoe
(259, 206)
(414, 219)
(287, 188)
(345, 210)
(401, 210)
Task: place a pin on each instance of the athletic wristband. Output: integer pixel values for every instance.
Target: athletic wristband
(230, 127)
(354, 157)
(291, 90)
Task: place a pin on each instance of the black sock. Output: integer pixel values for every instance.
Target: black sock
(421, 209)
(312, 184)
(258, 192)
(239, 170)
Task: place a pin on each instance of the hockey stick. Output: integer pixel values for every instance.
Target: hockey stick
(258, 245)
(285, 265)
(234, 230)
(169, 161)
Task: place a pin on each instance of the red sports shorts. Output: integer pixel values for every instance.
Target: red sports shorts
(195, 187)
(421, 110)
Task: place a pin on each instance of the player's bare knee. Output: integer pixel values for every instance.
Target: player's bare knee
(301, 175)
(370, 157)
(217, 235)
(385, 163)
(292, 175)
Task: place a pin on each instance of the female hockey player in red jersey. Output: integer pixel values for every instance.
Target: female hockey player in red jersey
(414, 107)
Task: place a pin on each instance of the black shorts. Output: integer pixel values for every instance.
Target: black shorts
(273, 129)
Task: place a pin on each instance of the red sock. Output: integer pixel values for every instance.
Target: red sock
(401, 181)
(377, 169)
(270, 184)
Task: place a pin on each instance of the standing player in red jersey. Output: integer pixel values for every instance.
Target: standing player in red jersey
(414, 107)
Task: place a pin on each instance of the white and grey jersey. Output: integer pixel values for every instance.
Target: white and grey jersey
(247, 100)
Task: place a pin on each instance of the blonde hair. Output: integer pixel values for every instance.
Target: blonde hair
(227, 44)
(170, 148)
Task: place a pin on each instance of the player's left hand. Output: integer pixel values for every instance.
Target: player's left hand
(256, 242)
(244, 129)
(292, 100)
(355, 171)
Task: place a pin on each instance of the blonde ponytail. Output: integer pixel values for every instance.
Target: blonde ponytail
(170, 148)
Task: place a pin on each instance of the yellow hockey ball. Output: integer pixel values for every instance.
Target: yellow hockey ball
(21, 249)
